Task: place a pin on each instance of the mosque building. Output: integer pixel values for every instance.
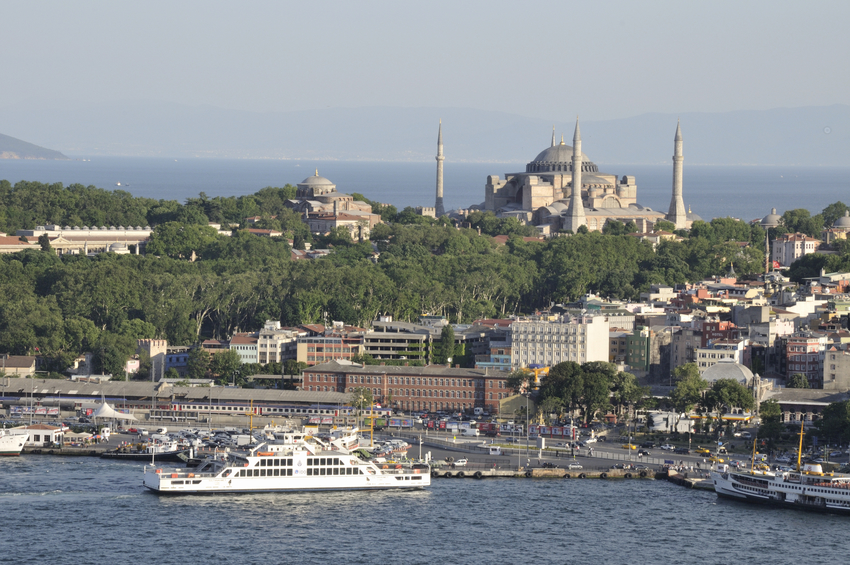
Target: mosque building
(543, 195)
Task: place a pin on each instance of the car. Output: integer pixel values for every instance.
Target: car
(668, 447)
(647, 445)
(715, 459)
(461, 462)
(643, 452)
(629, 446)
(133, 430)
(575, 466)
(783, 459)
(703, 451)
(835, 454)
(682, 451)
(590, 440)
(549, 465)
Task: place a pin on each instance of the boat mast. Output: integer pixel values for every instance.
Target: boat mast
(800, 448)
(753, 460)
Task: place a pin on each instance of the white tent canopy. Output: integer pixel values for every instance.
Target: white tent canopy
(107, 412)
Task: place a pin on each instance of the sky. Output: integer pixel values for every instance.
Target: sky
(602, 60)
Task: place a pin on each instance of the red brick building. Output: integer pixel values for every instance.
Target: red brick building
(432, 388)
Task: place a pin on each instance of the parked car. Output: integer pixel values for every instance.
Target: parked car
(461, 462)
(574, 466)
(667, 447)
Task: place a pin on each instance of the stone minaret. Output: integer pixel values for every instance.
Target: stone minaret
(439, 210)
(553, 136)
(677, 213)
(575, 211)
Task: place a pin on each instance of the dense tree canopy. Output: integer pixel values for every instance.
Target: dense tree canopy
(63, 306)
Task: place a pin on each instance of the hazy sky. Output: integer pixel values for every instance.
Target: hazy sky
(539, 59)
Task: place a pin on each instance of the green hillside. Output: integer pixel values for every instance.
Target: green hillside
(11, 148)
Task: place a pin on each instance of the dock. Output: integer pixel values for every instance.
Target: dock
(447, 472)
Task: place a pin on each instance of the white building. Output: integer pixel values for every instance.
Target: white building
(792, 246)
(567, 338)
(722, 350)
(246, 347)
(275, 344)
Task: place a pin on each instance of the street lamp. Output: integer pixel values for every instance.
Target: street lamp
(526, 429)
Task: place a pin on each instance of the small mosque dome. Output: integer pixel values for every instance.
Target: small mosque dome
(771, 220)
(843, 222)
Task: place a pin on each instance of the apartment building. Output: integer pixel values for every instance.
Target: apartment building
(547, 341)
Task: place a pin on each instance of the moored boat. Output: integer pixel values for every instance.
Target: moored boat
(807, 488)
(11, 444)
(169, 451)
(298, 463)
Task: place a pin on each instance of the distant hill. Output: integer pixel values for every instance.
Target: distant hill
(783, 136)
(12, 148)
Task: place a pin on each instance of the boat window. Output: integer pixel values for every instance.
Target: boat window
(336, 461)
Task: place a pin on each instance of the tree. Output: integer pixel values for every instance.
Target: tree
(225, 364)
(797, 380)
(664, 225)
(198, 363)
(800, 220)
(686, 371)
(771, 427)
(519, 380)
(361, 398)
(727, 394)
(44, 242)
(835, 423)
(833, 212)
(688, 393)
(445, 349)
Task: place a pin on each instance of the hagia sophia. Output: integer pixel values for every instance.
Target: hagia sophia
(543, 194)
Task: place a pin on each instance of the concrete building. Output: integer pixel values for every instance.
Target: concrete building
(567, 338)
(805, 353)
(563, 189)
(276, 344)
(721, 350)
(314, 350)
(836, 368)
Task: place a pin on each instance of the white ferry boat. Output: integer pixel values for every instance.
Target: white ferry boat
(808, 487)
(298, 463)
(11, 444)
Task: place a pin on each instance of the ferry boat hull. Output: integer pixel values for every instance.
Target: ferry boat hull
(11, 444)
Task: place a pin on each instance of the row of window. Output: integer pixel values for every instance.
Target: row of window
(416, 381)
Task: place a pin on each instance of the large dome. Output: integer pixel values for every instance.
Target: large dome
(316, 180)
(559, 158)
(728, 369)
(558, 154)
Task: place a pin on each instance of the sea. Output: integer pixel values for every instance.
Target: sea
(84, 510)
(744, 192)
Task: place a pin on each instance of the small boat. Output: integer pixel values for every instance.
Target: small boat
(11, 444)
(169, 451)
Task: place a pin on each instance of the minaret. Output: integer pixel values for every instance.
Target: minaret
(438, 207)
(575, 211)
(677, 205)
(553, 135)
